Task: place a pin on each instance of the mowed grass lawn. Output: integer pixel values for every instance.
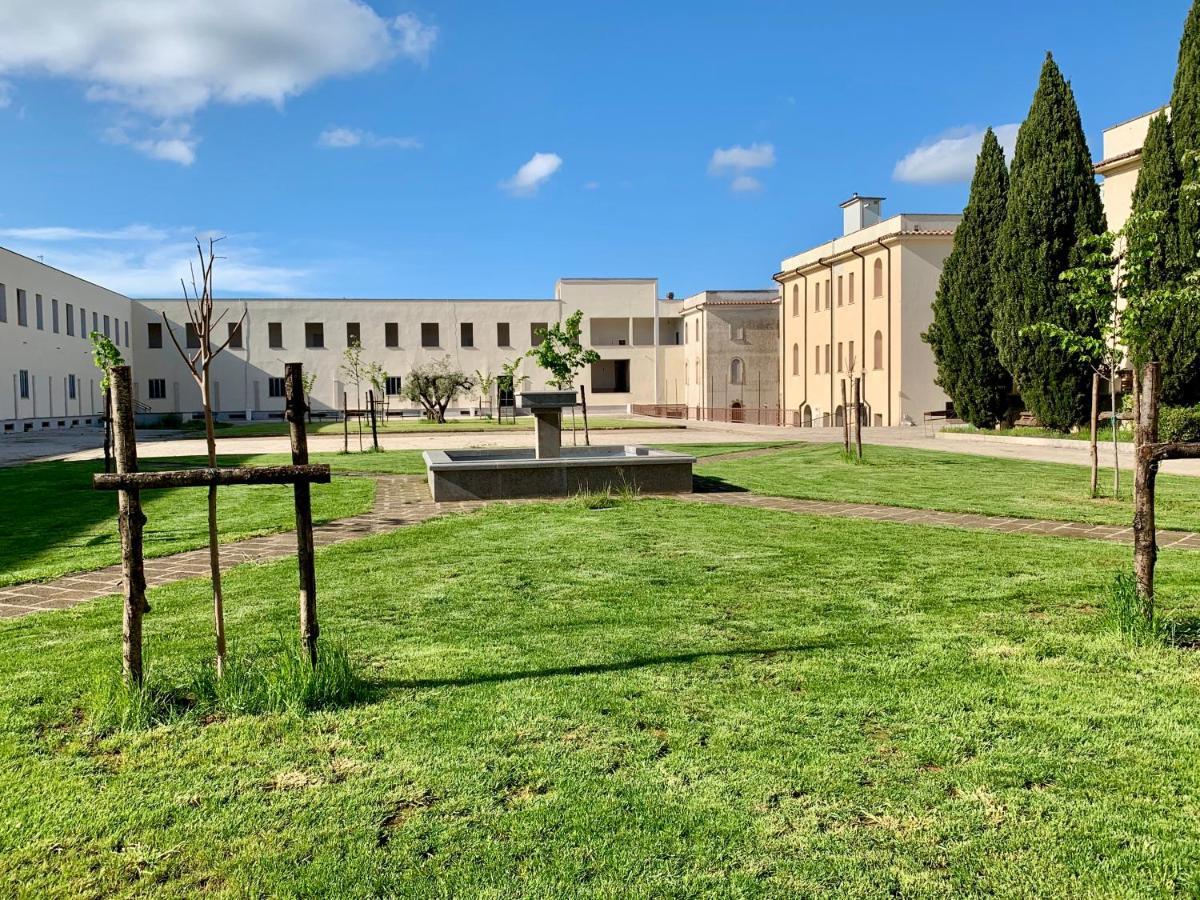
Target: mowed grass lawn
(954, 482)
(55, 523)
(658, 699)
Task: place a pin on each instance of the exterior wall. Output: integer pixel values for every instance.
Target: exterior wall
(898, 385)
(49, 357)
(1120, 167)
(720, 326)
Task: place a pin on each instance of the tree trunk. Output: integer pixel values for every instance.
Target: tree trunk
(1093, 422)
(374, 428)
(214, 552)
(845, 421)
(309, 628)
(131, 521)
(358, 414)
(587, 437)
(858, 416)
(1112, 393)
(345, 424)
(108, 429)
(1137, 425)
(1145, 549)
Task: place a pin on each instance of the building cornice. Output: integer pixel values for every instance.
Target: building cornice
(825, 262)
(1120, 161)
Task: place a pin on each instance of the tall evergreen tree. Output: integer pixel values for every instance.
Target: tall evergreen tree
(1185, 123)
(1175, 333)
(969, 368)
(1053, 205)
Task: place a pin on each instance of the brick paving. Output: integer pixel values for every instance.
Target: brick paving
(405, 500)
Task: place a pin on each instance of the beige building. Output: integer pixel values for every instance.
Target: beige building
(1120, 166)
(731, 354)
(857, 306)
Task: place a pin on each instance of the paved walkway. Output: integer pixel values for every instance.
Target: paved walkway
(405, 500)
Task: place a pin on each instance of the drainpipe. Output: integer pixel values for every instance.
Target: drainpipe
(862, 338)
(655, 342)
(880, 242)
(832, 342)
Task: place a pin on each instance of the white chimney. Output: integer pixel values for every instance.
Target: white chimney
(861, 212)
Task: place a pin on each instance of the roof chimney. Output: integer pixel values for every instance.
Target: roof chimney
(861, 212)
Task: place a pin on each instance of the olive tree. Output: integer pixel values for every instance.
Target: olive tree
(435, 385)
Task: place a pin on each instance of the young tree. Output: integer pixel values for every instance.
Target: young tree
(105, 355)
(435, 385)
(485, 381)
(509, 375)
(969, 368)
(1053, 204)
(200, 314)
(355, 371)
(307, 381)
(561, 353)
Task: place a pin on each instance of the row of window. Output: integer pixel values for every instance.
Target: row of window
(843, 297)
(112, 327)
(314, 335)
(737, 371)
(737, 333)
(845, 362)
(156, 388)
(24, 381)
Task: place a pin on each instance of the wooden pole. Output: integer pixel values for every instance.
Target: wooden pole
(845, 421)
(131, 521)
(309, 629)
(345, 424)
(587, 438)
(1145, 550)
(858, 416)
(374, 429)
(1094, 422)
(108, 429)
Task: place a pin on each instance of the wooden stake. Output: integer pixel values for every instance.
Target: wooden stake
(858, 416)
(131, 522)
(309, 629)
(845, 421)
(374, 430)
(587, 438)
(1094, 421)
(345, 424)
(1145, 549)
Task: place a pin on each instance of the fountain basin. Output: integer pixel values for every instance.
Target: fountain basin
(499, 474)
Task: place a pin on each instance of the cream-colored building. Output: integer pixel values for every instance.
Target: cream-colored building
(731, 353)
(857, 306)
(1121, 164)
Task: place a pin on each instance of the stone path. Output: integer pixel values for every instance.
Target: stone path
(405, 500)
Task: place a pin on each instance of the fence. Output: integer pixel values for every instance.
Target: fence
(743, 415)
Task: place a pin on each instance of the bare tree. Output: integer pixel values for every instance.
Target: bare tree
(200, 315)
(356, 371)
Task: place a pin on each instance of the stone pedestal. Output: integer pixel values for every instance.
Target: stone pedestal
(547, 423)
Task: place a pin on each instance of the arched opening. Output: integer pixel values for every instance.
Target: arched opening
(878, 269)
(864, 412)
(737, 371)
(839, 417)
(878, 350)
(795, 359)
(806, 416)
(736, 413)
(795, 299)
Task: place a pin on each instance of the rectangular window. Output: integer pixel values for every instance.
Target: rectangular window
(106, 334)
(429, 335)
(3, 303)
(235, 336)
(314, 335)
(817, 297)
(158, 388)
(537, 333)
(817, 360)
(37, 309)
(275, 335)
(54, 316)
(839, 356)
(274, 387)
(126, 332)
(393, 385)
(71, 319)
(851, 362)
(83, 332)
(23, 379)
(503, 339)
(193, 337)
(391, 334)
(467, 334)
(154, 335)
(70, 387)
(353, 334)
(839, 290)
(851, 286)
(22, 308)
(95, 322)
(828, 354)
(828, 293)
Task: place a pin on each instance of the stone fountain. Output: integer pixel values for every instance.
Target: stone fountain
(551, 470)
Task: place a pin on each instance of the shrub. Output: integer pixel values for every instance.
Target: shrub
(1179, 423)
(1125, 614)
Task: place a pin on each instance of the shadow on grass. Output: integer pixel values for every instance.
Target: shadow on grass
(1184, 633)
(712, 484)
(376, 687)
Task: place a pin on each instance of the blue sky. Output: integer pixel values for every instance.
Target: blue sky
(374, 151)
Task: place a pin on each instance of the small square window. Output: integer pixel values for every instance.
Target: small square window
(391, 334)
(275, 336)
(158, 388)
(193, 337)
(537, 333)
(314, 335)
(235, 336)
(429, 335)
(154, 335)
(503, 339)
(393, 385)
(468, 334)
(353, 334)
(274, 387)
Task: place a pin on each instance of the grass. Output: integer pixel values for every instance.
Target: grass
(953, 482)
(1103, 435)
(465, 425)
(658, 698)
(57, 523)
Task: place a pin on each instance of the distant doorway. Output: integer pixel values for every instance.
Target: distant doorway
(736, 413)
(806, 416)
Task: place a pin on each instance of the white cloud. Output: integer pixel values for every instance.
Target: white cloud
(148, 261)
(6, 94)
(168, 59)
(533, 174)
(338, 138)
(737, 162)
(950, 157)
(591, 186)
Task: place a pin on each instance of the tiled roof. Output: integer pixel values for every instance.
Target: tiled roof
(1113, 160)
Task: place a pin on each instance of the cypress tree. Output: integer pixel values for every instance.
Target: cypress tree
(1177, 333)
(1185, 123)
(960, 335)
(1053, 204)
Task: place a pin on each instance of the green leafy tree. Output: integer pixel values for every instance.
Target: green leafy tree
(105, 355)
(308, 379)
(969, 368)
(1053, 206)
(1185, 124)
(562, 354)
(355, 370)
(435, 385)
(485, 381)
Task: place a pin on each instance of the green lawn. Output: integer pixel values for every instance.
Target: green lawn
(1104, 435)
(420, 426)
(955, 482)
(660, 699)
(55, 523)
